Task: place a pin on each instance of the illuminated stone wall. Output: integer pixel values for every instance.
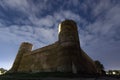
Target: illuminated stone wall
(65, 55)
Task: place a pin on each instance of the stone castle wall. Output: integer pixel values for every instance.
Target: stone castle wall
(65, 55)
(40, 60)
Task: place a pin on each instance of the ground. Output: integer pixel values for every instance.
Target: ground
(54, 76)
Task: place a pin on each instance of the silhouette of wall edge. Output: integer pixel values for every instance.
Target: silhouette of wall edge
(60, 56)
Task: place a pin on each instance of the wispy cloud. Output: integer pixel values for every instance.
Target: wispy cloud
(37, 22)
(100, 37)
(15, 4)
(106, 25)
(45, 29)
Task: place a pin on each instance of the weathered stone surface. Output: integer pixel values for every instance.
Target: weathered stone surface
(24, 49)
(65, 55)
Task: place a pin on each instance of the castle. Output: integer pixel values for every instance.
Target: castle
(65, 55)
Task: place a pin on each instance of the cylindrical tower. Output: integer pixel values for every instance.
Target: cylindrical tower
(68, 33)
(72, 58)
(69, 45)
(25, 48)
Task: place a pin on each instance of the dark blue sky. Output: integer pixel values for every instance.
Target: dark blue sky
(36, 21)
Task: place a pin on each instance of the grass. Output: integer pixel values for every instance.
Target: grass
(38, 76)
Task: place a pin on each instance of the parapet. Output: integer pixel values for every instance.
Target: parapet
(26, 47)
(69, 22)
(64, 25)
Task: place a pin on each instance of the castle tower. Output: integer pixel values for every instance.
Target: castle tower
(74, 58)
(70, 45)
(68, 33)
(65, 55)
(25, 48)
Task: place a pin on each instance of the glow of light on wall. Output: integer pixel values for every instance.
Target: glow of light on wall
(59, 28)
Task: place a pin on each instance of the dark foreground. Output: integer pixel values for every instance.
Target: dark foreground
(55, 76)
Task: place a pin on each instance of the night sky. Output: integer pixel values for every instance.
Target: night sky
(36, 21)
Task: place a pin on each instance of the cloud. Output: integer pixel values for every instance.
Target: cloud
(89, 32)
(37, 22)
(100, 38)
(43, 21)
(101, 7)
(104, 26)
(32, 10)
(15, 4)
(6, 64)
(44, 29)
(18, 34)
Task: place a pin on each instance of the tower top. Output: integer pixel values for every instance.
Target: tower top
(26, 43)
(64, 25)
(68, 22)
